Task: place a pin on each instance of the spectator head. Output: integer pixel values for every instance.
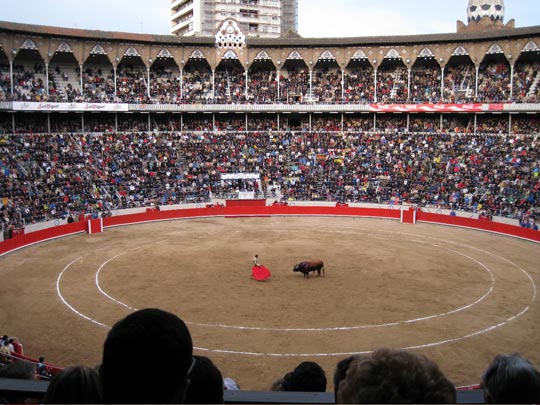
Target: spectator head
(131, 374)
(308, 376)
(511, 379)
(341, 372)
(22, 370)
(206, 383)
(74, 385)
(395, 376)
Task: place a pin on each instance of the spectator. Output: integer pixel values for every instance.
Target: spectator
(132, 375)
(308, 376)
(42, 369)
(15, 346)
(511, 379)
(206, 383)
(74, 385)
(341, 372)
(22, 370)
(395, 376)
(5, 353)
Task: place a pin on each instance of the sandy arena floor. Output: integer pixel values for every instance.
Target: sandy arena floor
(458, 296)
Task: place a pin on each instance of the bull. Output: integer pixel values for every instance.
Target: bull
(309, 266)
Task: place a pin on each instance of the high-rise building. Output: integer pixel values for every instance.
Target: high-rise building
(256, 18)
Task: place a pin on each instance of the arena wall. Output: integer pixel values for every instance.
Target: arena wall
(155, 215)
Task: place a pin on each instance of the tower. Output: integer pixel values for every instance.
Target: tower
(257, 18)
(485, 15)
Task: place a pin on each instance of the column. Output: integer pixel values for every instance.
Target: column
(47, 82)
(408, 121)
(476, 89)
(115, 122)
(11, 81)
(81, 78)
(278, 88)
(408, 84)
(509, 124)
(310, 85)
(49, 123)
(114, 73)
(213, 86)
(342, 91)
(182, 83)
(511, 82)
(247, 78)
(148, 82)
(442, 85)
(375, 85)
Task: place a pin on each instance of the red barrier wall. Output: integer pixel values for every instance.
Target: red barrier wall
(246, 203)
(483, 225)
(40, 236)
(264, 211)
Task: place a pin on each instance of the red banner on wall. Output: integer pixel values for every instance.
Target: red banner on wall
(418, 108)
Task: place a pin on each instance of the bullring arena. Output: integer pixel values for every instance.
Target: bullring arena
(460, 296)
(141, 170)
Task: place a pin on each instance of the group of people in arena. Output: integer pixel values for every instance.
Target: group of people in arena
(382, 376)
(52, 176)
(327, 83)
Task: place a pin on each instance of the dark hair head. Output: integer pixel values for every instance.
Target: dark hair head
(341, 371)
(22, 370)
(511, 379)
(74, 385)
(308, 376)
(395, 376)
(131, 373)
(206, 383)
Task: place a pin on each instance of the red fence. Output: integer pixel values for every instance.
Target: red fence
(23, 240)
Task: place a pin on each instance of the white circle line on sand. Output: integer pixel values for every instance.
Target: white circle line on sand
(59, 293)
(326, 329)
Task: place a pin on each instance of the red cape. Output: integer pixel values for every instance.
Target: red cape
(260, 273)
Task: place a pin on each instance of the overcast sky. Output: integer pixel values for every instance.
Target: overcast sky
(317, 18)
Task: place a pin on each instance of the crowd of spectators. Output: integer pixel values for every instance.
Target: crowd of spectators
(392, 84)
(383, 376)
(359, 85)
(50, 176)
(426, 85)
(328, 85)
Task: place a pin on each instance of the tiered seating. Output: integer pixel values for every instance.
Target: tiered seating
(494, 82)
(359, 85)
(392, 84)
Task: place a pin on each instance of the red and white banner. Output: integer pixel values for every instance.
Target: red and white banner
(419, 108)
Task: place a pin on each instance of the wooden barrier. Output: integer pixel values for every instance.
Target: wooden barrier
(409, 216)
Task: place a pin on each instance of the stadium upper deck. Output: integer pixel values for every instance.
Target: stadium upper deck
(234, 73)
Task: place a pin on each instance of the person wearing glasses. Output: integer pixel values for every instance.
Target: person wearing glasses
(130, 374)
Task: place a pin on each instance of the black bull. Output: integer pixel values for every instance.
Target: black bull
(308, 266)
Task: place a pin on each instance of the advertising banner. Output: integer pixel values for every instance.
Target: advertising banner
(419, 108)
(75, 107)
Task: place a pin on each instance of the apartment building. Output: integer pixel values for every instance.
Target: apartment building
(256, 18)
